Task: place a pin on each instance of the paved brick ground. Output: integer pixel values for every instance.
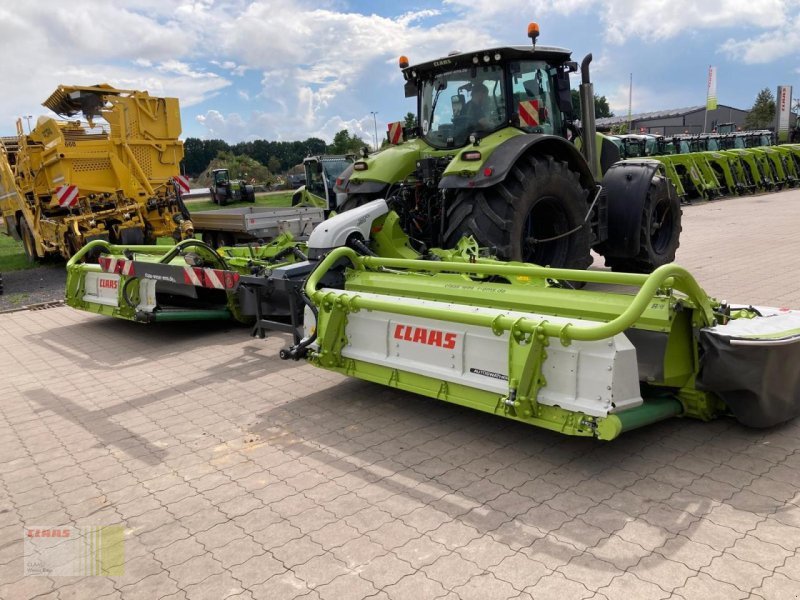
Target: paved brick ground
(237, 474)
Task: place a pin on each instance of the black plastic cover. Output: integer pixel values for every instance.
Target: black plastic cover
(760, 384)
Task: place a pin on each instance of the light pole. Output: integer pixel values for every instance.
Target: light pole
(375, 124)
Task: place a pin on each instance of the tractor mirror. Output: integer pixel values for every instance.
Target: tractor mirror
(411, 89)
(571, 66)
(564, 94)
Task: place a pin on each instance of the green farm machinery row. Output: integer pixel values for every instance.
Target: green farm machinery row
(456, 269)
(708, 166)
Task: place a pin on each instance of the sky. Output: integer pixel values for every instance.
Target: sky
(293, 69)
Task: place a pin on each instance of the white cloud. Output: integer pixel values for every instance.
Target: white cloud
(772, 45)
(658, 20)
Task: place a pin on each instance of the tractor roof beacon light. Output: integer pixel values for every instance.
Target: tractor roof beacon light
(403, 62)
(533, 32)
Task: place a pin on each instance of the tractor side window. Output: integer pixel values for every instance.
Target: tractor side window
(314, 182)
(462, 102)
(533, 98)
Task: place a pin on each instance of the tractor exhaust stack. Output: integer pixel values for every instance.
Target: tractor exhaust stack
(587, 118)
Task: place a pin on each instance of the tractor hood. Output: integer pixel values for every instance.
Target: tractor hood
(390, 165)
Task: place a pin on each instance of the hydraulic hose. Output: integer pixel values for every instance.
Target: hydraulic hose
(300, 349)
(188, 244)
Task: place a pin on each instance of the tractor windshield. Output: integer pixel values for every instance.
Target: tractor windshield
(333, 167)
(461, 102)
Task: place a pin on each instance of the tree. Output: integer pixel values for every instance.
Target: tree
(410, 120)
(601, 107)
(274, 165)
(199, 153)
(344, 143)
(762, 115)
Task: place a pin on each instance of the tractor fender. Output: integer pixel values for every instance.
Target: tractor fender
(366, 187)
(627, 185)
(505, 156)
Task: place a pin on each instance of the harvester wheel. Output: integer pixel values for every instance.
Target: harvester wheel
(131, 236)
(660, 231)
(537, 214)
(28, 242)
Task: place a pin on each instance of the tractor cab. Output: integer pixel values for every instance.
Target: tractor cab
(321, 173)
(221, 177)
(470, 95)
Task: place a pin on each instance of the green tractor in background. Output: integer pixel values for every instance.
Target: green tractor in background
(225, 190)
(321, 173)
(496, 156)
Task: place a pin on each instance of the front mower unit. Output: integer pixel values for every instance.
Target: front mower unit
(504, 339)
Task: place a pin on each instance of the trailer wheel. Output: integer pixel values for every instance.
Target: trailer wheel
(660, 231)
(28, 241)
(537, 214)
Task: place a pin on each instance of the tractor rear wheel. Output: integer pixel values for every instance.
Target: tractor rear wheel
(660, 231)
(356, 200)
(28, 241)
(537, 215)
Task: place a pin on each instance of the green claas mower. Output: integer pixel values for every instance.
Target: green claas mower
(369, 294)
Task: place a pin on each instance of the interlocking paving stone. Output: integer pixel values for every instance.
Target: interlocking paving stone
(238, 475)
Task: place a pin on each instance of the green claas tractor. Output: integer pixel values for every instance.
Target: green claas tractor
(225, 190)
(493, 157)
(321, 173)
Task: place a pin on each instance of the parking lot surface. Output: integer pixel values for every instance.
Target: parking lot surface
(236, 474)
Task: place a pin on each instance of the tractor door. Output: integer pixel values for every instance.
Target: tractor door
(315, 182)
(533, 98)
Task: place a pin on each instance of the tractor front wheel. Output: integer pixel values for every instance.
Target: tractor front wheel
(537, 215)
(659, 236)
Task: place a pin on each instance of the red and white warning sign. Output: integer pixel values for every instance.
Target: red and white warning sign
(183, 183)
(529, 112)
(120, 266)
(395, 132)
(67, 196)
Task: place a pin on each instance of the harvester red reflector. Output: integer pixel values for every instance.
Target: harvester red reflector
(67, 196)
(183, 183)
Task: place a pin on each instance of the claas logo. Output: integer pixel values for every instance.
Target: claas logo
(423, 335)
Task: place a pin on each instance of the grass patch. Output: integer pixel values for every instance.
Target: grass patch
(274, 199)
(12, 256)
